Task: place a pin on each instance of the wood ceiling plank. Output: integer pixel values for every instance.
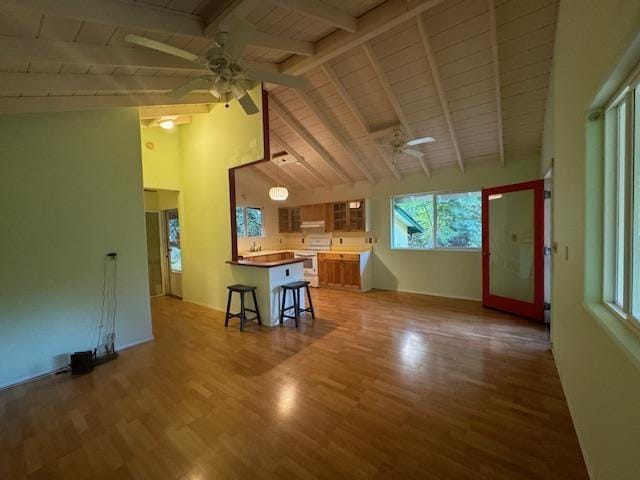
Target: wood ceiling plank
(112, 12)
(393, 100)
(320, 11)
(295, 125)
(68, 103)
(496, 76)
(375, 22)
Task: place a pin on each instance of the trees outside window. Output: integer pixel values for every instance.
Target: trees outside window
(249, 222)
(447, 220)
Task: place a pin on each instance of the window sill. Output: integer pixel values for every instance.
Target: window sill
(618, 328)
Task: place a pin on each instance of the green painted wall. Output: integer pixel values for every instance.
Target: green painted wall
(211, 144)
(71, 191)
(600, 378)
(446, 273)
(161, 153)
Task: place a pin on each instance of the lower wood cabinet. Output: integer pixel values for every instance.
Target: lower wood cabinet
(271, 257)
(334, 271)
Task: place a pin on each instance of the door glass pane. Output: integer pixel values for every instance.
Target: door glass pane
(511, 228)
(173, 237)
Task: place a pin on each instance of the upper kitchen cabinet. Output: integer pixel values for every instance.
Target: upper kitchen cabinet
(289, 219)
(350, 216)
(313, 213)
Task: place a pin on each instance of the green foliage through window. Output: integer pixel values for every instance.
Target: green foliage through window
(451, 220)
(249, 222)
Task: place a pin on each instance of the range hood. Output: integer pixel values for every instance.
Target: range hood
(313, 224)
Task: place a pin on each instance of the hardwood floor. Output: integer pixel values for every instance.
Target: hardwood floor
(382, 385)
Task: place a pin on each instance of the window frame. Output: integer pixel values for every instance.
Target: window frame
(434, 231)
(246, 222)
(629, 95)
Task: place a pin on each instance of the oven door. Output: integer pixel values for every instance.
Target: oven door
(310, 263)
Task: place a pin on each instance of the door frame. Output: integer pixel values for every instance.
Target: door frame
(163, 254)
(535, 310)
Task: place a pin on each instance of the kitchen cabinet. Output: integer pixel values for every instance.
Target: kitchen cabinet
(349, 216)
(270, 257)
(313, 213)
(339, 270)
(289, 219)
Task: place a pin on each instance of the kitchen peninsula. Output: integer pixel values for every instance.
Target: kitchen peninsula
(268, 277)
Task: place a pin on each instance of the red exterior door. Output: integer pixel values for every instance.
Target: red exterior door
(513, 249)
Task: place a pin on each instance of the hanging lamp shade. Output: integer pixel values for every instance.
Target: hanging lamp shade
(278, 193)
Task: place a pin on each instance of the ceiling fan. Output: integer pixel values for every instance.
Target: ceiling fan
(399, 144)
(227, 78)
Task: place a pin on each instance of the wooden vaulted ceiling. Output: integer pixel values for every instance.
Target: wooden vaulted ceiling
(473, 74)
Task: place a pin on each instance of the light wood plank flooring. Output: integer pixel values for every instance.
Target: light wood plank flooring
(382, 385)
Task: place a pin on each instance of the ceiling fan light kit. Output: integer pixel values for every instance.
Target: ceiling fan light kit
(227, 78)
(398, 144)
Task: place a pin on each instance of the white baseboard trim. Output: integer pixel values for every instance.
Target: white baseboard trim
(36, 376)
(573, 418)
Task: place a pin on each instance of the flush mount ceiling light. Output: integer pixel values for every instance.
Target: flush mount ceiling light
(278, 193)
(167, 124)
(354, 205)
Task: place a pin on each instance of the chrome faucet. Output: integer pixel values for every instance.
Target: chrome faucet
(253, 247)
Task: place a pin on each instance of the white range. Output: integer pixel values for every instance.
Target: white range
(310, 256)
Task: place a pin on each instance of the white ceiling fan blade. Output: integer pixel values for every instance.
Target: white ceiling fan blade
(238, 37)
(290, 81)
(412, 152)
(248, 105)
(420, 141)
(198, 83)
(163, 47)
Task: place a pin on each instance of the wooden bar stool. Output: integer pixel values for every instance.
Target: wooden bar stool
(295, 288)
(242, 289)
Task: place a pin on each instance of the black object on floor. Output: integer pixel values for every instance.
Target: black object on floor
(242, 289)
(295, 288)
(81, 362)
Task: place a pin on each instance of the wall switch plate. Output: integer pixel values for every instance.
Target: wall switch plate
(286, 272)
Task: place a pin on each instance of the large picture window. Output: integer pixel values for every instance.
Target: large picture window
(621, 281)
(426, 221)
(249, 222)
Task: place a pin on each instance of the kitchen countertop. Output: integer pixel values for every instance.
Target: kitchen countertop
(278, 263)
(284, 250)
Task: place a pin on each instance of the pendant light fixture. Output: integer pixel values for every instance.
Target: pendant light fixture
(278, 193)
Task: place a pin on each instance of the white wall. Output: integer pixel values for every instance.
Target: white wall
(71, 191)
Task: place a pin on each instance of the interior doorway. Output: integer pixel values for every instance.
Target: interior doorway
(154, 254)
(164, 248)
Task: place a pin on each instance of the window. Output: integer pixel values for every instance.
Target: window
(425, 221)
(249, 222)
(621, 280)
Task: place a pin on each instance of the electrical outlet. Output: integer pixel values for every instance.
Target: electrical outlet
(286, 272)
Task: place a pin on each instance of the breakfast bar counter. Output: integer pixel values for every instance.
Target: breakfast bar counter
(268, 277)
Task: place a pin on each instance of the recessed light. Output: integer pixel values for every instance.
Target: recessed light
(167, 124)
